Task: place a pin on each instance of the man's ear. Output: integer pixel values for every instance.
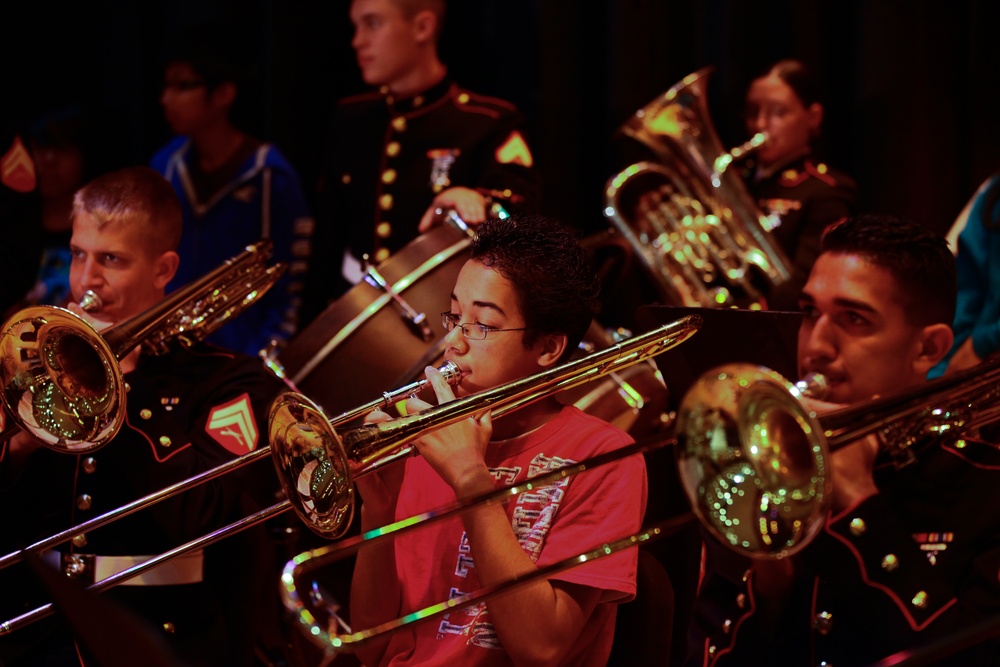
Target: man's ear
(224, 94)
(551, 348)
(936, 340)
(424, 25)
(164, 268)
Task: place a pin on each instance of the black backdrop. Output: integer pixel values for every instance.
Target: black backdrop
(912, 97)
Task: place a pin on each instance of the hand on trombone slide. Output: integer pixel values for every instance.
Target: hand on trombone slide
(455, 452)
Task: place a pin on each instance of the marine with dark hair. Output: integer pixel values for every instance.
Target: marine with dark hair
(800, 194)
(499, 331)
(910, 551)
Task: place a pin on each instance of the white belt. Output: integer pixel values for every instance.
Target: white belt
(184, 569)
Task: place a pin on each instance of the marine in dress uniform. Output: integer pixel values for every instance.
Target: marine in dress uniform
(915, 563)
(188, 410)
(386, 160)
(800, 199)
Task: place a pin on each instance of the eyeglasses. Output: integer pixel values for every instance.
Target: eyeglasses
(473, 331)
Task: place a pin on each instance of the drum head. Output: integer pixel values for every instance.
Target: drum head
(365, 343)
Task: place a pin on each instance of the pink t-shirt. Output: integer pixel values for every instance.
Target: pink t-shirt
(552, 523)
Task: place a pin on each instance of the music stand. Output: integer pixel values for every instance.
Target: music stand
(764, 337)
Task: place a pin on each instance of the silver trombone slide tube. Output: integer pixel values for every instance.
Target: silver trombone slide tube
(449, 369)
(315, 558)
(39, 613)
(134, 506)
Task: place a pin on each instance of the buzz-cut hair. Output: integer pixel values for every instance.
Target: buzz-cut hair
(919, 261)
(138, 198)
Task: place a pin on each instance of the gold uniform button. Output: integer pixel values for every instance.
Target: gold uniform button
(418, 101)
(790, 174)
(890, 562)
(346, 179)
(392, 148)
(399, 124)
(920, 600)
(128, 387)
(145, 413)
(169, 628)
(80, 540)
(821, 168)
(463, 98)
(84, 501)
(165, 441)
(385, 202)
(858, 527)
(960, 443)
(741, 600)
(726, 625)
(388, 176)
(89, 465)
(383, 230)
(381, 255)
(823, 622)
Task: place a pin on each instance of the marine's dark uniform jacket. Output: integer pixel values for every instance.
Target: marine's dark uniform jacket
(914, 563)
(386, 160)
(801, 198)
(188, 410)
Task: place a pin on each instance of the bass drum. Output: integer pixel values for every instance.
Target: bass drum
(634, 399)
(372, 339)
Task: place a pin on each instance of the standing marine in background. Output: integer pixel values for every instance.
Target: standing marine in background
(417, 142)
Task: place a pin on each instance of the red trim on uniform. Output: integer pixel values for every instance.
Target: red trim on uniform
(153, 445)
(734, 628)
(950, 449)
(916, 627)
(826, 178)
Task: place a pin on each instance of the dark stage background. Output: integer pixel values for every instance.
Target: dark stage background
(912, 100)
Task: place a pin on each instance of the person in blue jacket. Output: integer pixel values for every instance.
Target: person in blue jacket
(234, 188)
(977, 312)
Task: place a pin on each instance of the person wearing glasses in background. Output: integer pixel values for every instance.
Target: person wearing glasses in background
(234, 188)
(520, 305)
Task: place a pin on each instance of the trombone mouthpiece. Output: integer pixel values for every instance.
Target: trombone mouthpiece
(814, 385)
(90, 302)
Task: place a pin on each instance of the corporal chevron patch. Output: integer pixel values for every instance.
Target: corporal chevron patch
(17, 171)
(514, 150)
(232, 425)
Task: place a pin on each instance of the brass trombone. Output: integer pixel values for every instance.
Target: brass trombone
(317, 466)
(754, 460)
(305, 446)
(61, 379)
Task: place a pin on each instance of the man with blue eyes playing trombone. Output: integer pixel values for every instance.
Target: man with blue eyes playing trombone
(189, 409)
(910, 550)
(521, 304)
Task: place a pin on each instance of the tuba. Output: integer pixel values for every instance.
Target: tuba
(61, 379)
(689, 219)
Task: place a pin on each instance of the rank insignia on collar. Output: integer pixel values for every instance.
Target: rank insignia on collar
(933, 544)
(441, 161)
(232, 425)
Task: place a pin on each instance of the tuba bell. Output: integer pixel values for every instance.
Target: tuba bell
(690, 220)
